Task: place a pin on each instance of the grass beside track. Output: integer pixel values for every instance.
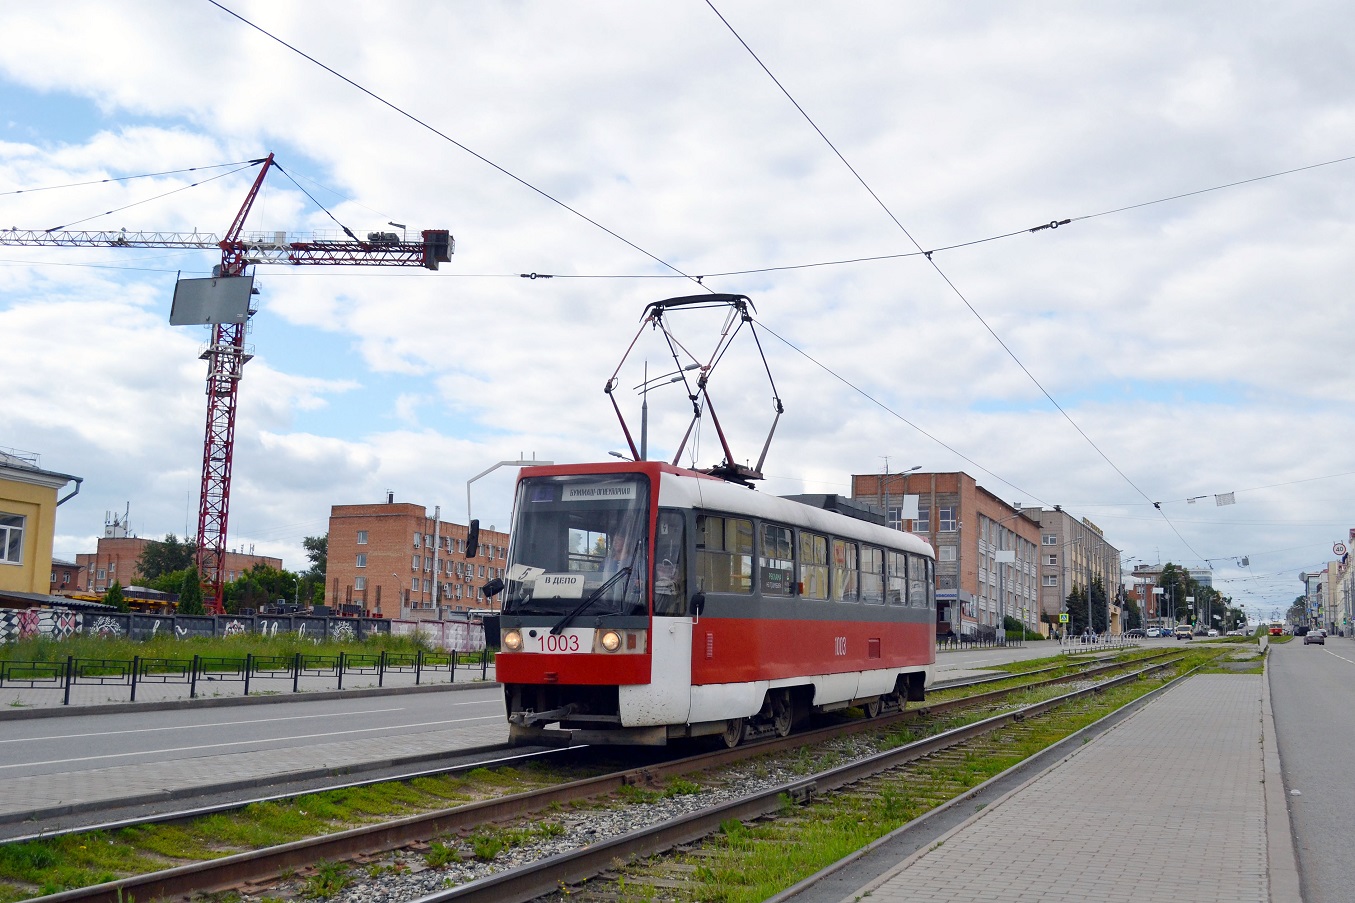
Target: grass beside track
(36, 867)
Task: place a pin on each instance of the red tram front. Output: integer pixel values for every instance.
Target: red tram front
(646, 603)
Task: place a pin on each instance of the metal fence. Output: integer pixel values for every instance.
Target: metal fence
(251, 671)
(954, 642)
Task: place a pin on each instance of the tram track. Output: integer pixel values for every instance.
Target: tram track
(247, 868)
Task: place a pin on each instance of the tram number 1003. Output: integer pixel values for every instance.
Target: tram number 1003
(560, 643)
(839, 645)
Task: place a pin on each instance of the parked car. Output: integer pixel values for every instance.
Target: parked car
(1317, 635)
(1136, 632)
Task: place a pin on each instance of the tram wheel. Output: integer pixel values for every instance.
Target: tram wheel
(783, 713)
(874, 707)
(735, 728)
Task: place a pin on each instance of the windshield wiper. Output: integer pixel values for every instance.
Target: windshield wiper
(589, 600)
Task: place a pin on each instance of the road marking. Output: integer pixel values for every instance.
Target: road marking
(228, 724)
(1341, 657)
(181, 727)
(183, 749)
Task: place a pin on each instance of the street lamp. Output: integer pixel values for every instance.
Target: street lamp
(884, 491)
(675, 376)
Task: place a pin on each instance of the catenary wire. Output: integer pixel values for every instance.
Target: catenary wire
(935, 266)
(449, 139)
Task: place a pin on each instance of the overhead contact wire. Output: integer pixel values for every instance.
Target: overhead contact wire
(449, 139)
(937, 268)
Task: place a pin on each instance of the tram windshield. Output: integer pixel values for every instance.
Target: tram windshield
(580, 546)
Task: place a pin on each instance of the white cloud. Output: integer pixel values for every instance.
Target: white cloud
(1201, 343)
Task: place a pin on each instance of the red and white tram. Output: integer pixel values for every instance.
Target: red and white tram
(646, 603)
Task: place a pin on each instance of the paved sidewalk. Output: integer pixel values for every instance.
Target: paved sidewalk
(1171, 804)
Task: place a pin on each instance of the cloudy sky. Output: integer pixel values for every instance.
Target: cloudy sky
(1144, 352)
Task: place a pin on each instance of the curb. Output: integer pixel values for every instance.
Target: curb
(1284, 869)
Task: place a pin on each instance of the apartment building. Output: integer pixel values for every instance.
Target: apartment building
(115, 559)
(1074, 554)
(986, 550)
(394, 560)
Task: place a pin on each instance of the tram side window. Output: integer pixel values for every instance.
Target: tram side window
(896, 579)
(670, 565)
(872, 575)
(845, 571)
(813, 566)
(917, 582)
(724, 554)
(778, 561)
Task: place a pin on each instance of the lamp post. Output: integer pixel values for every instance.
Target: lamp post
(884, 491)
(643, 388)
(488, 470)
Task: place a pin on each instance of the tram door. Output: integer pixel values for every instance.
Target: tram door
(671, 640)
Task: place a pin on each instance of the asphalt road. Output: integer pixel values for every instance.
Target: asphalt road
(1313, 695)
(99, 740)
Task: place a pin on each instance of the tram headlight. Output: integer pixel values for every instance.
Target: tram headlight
(512, 641)
(611, 640)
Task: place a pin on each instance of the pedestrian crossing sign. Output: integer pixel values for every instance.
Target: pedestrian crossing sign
(1063, 617)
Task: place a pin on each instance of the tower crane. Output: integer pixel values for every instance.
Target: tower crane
(226, 355)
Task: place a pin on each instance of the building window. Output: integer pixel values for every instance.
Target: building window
(1049, 539)
(946, 553)
(418, 537)
(360, 583)
(461, 545)
(1051, 579)
(65, 579)
(362, 560)
(923, 522)
(1051, 560)
(425, 585)
(945, 518)
(101, 574)
(428, 564)
(414, 563)
(362, 537)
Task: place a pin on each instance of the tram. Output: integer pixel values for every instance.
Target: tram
(645, 603)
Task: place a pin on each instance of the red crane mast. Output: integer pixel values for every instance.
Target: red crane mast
(226, 356)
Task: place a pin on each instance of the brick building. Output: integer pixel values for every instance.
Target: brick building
(66, 577)
(987, 551)
(116, 559)
(396, 561)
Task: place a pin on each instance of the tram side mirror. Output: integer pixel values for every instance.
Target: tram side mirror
(473, 539)
(492, 588)
(698, 604)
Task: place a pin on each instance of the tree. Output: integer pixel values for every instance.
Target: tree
(165, 556)
(190, 593)
(1076, 605)
(1133, 618)
(114, 597)
(317, 550)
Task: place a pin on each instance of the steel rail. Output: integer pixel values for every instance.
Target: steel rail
(230, 871)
